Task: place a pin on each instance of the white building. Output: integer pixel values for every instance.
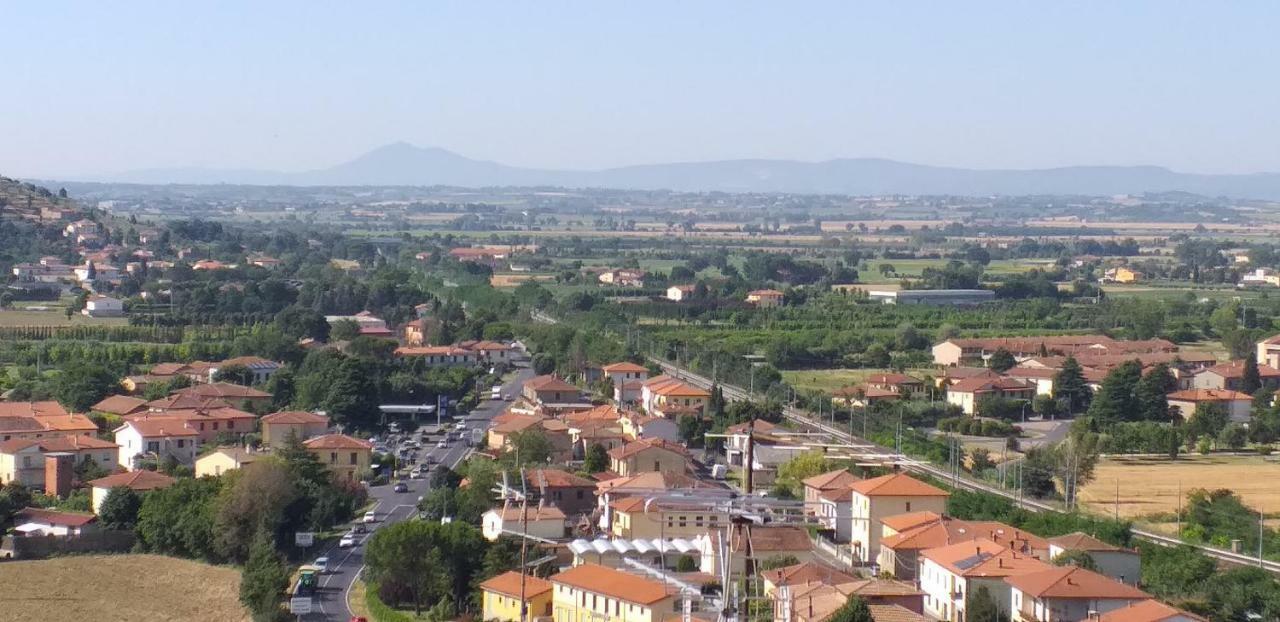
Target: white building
(679, 293)
(156, 438)
(103, 306)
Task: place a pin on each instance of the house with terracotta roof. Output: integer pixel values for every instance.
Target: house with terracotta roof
(652, 454)
(156, 439)
(665, 396)
(500, 598)
(1149, 611)
(40, 420)
(966, 394)
(276, 427)
(765, 298)
(23, 460)
(1237, 405)
(837, 479)
(550, 389)
(226, 391)
(1123, 565)
(764, 542)
(492, 352)
(628, 380)
(224, 459)
(596, 593)
(949, 574)
(45, 522)
(139, 481)
(347, 457)
(862, 396)
(643, 517)
(555, 431)
(640, 426)
(802, 573)
(888, 600)
(977, 351)
(439, 356)
(571, 493)
(623, 278)
(904, 536)
(1068, 594)
(898, 383)
(875, 499)
(210, 424)
(120, 405)
(642, 485)
(1268, 352)
(680, 293)
(260, 369)
(540, 521)
(1230, 376)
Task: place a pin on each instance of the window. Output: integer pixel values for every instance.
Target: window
(908, 506)
(333, 457)
(231, 425)
(353, 458)
(181, 443)
(579, 494)
(153, 446)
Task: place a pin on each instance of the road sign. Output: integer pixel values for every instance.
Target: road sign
(304, 538)
(300, 605)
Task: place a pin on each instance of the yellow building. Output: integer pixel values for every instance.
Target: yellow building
(650, 454)
(276, 427)
(500, 597)
(875, 499)
(595, 593)
(224, 459)
(348, 457)
(630, 519)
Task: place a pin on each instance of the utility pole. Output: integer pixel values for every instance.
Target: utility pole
(749, 457)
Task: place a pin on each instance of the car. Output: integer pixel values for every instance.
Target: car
(416, 473)
(357, 528)
(442, 444)
(430, 459)
(400, 487)
(507, 397)
(348, 540)
(322, 563)
(369, 517)
(461, 426)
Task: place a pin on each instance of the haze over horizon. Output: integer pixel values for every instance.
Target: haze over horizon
(102, 90)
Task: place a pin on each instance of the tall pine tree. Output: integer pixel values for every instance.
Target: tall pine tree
(1251, 381)
(1151, 395)
(1115, 400)
(1069, 386)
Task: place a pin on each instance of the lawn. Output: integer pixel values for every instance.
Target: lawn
(1151, 485)
(831, 379)
(124, 588)
(55, 317)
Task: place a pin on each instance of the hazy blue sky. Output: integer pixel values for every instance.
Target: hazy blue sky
(112, 86)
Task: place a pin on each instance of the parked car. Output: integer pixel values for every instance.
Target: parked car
(348, 540)
(400, 487)
(370, 517)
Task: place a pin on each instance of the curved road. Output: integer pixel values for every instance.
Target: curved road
(331, 600)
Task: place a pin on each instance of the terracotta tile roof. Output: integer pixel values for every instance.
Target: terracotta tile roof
(556, 478)
(238, 453)
(982, 385)
(806, 572)
(897, 485)
(75, 443)
(903, 522)
(508, 584)
(179, 401)
(837, 495)
(894, 613)
(1148, 611)
(168, 369)
(32, 409)
(624, 366)
(337, 441)
(947, 531)
(159, 427)
(224, 390)
(1065, 344)
(678, 388)
(518, 423)
(1080, 541)
(864, 391)
(774, 538)
(893, 379)
(636, 447)
(135, 480)
(831, 480)
(535, 513)
(15, 445)
(549, 383)
(1072, 582)
(53, 517)
(296, 417)
(1209, 395)
(983, 558)
(20, 424)
(741, 428)
(67, 423)
(651, 480)
(1235, 369)
(612, 583)
(960, 373)
(120, 405)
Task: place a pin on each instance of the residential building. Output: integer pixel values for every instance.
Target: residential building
(903, 537)
(764, 542)
(623, 278)
(892, 601)
(1123, 565)
(863, 396)
(643, 485)
(838, 479)
(639, 426)
(120, 405)
(540, 521)
(22, 461)
(765, 298)
(44, 522)
(550, 389)
(228, 392)
(139, 481)
(949, 574)
(624, 372)
(98, 305)
(348, 457)
(260, 369)
(1260, 276)
(209, 424)
(898, 383)
(679, 293)
(1068, 594)
(1237, 405)
(653, 454)
(670, 397)
(967, 394)
(595, 593)
(500, 598)
(976, 351)
(1120, 274)
(877, 498)
(1230, 376)
(642, 517)
(439, 356)
(276, 427)
(956, 297)
(224, 459)
(571, 493)
(156, 439)
(39, 420)
(1150, 610)
(802, 573)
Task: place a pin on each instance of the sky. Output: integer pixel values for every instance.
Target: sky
(100, 87)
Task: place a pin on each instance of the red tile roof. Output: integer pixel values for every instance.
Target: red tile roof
(120, 405)
(1072, 582)
(1080, 541)
(897, 485)
(135, 480)
(549, 383)
(31, 409)
(54, 517)
(295, 417)
(1148, 611)
(1235, 369)
(635, 447)
(1209, 395)
(831, 480)
(983, 558)
(612, 583)
(159, 427)
(508, 584)
(624, 366)
(337, 441)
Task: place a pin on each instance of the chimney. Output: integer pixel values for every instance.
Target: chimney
(59, 468)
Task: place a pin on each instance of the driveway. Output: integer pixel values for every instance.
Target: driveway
(345, 565)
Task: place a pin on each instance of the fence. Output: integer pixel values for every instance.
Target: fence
(40, 547)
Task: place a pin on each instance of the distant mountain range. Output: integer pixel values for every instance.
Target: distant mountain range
(402, 164)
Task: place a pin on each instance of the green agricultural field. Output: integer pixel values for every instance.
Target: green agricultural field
(829, 380)
(56, 317)
(911, 268)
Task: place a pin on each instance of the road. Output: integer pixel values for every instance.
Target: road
(806, 420)
(331, 601)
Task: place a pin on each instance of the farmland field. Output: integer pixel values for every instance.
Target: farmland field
(123, 588)
(55, 317)
(1151, 485)
(831, 379)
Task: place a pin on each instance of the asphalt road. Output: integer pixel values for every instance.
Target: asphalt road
(345, 565)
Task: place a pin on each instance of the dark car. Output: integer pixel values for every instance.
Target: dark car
(400, 487)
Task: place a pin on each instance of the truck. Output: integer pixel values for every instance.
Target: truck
(496, 392)
(477, 437)
(304, 590)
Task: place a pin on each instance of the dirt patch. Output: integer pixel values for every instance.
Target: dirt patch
(124, 588)
(1152, 485)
